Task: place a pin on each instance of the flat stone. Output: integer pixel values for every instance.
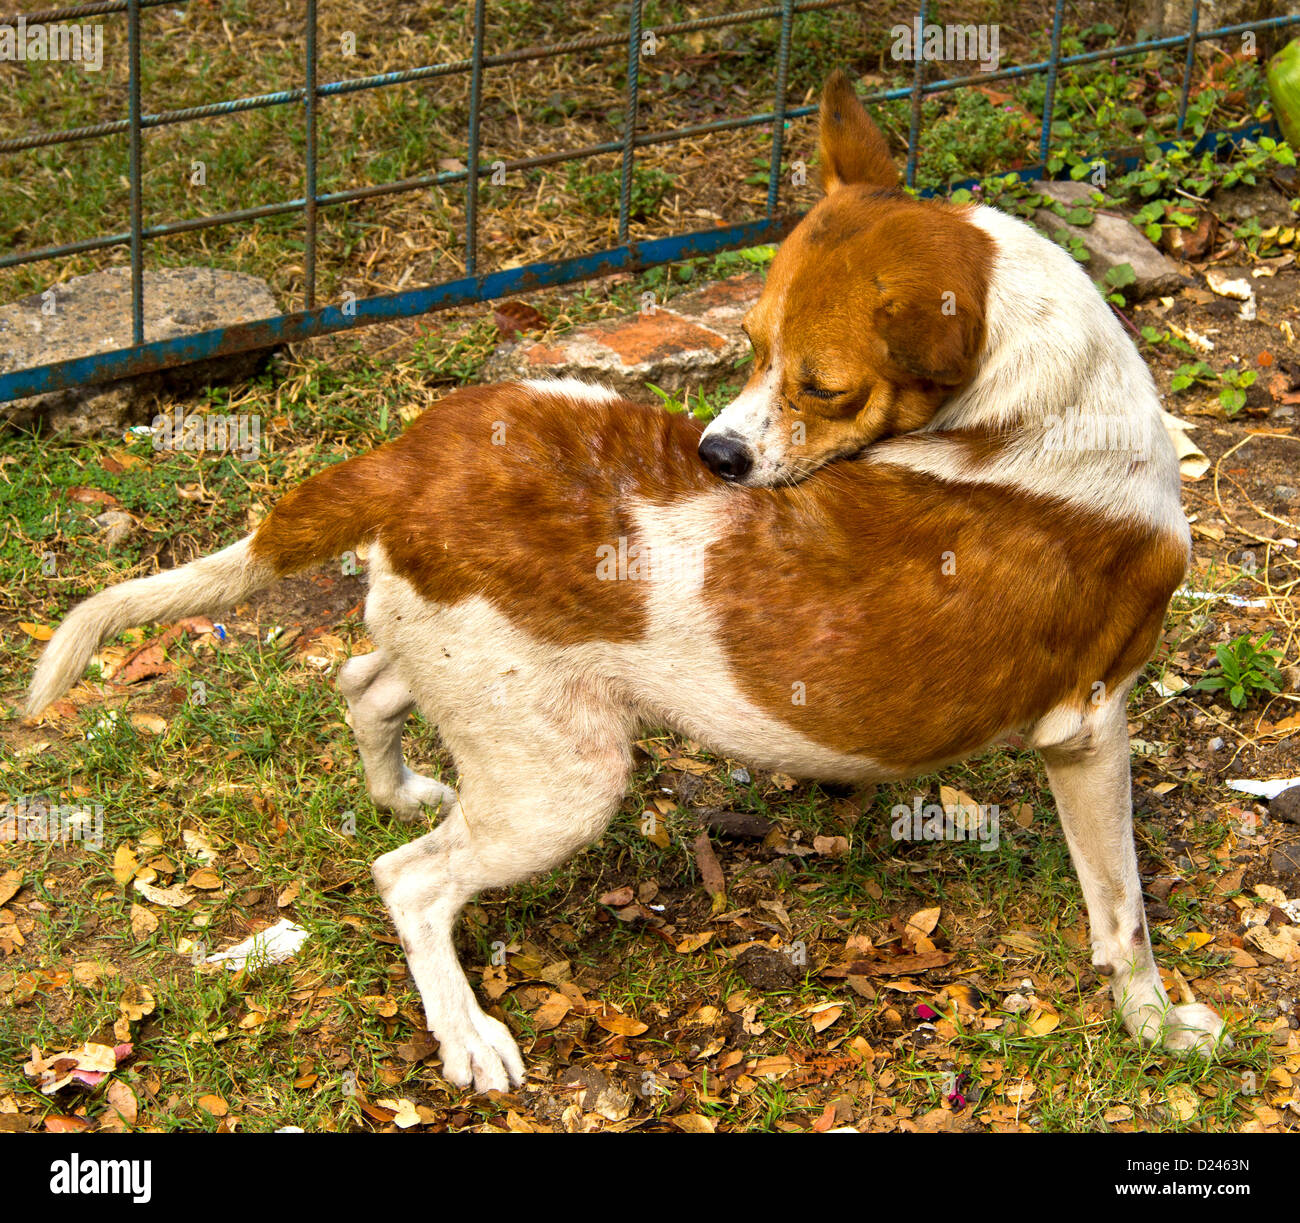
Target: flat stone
(695, 344)
(1286, 860)
(92, 314)
(1110, 241)
(1286, 806)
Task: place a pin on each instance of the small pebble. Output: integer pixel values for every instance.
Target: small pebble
(1216, 744)
(740, 776)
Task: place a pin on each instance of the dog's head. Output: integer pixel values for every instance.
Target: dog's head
(872, 315)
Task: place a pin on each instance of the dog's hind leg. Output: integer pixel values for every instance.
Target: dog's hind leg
(379, 702)
(529, 798)
(1089, 774)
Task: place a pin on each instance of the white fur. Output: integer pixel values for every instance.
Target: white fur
(574, 388)
(1089, 775)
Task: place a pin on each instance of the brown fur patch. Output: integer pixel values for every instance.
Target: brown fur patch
(916, 620)
(501, 492)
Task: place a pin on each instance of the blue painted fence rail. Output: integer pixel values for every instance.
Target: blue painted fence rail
(314, 320)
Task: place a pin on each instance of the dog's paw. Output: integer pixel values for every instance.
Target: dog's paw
(485, 1056)
(1190, 1028)
(1194, 1028)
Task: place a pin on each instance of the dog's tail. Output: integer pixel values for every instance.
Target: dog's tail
(325, 515)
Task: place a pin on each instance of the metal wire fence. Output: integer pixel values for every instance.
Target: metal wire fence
(315, 318)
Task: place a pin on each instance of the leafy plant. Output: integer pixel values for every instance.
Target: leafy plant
(1116, 280)
(704, 407)
(1189, 374)
(1245, 668)
(1154, 337)
(1233, 394)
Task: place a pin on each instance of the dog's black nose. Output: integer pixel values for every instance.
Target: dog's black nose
(726, 456)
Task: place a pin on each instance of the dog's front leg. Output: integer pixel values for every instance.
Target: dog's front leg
(379, 702)
(1091, 783)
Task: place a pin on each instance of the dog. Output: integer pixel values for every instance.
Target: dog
(553, 568)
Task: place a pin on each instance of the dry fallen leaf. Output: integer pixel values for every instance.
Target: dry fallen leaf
(1270, 944)
(324, 650)
(123, 1108)
(143, 923)
(87, 1065)
(918, 929)
(1182, 1101)
(171, 898)
(66, 1125)
(89, 973)
(404, 1114)
(214, 1105)
(693, 942)
(655, 830)
(512, 317)
(137, 1002)
(710, 872)
(552, 1012)
(125, 863)
(149, 723)
(198, 845)
(10, 882)
(1040, 1023)
(825, 1016)
(621, 1025)
(694, 1123)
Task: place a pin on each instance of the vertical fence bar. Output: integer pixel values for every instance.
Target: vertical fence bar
(629, 119)
(471, 182)
(1188, 64)
(918, 78)
(1049, 98)
(310, 210)
(778, 107)
(137, 220)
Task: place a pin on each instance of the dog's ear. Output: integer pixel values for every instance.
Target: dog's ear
(852, 148)
(933, 327)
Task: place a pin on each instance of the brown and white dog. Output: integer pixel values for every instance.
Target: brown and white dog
(553, 568)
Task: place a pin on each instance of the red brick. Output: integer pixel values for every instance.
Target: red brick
(654, 337)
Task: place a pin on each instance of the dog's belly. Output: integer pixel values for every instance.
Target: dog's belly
(682, 681)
